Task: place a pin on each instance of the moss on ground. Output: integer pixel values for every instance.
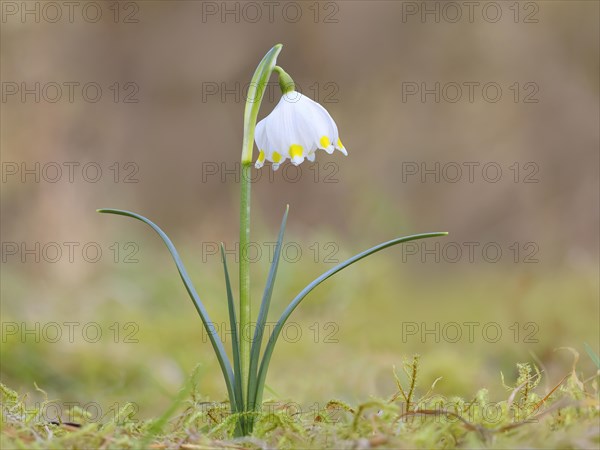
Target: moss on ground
(567, 415)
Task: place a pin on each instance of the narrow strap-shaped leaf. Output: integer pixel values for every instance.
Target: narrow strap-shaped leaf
(264, 311)
(158, 425)
(264, 365)
(591, 354)
(235, 349)
(208, 325)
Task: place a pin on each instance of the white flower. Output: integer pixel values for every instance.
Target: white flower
(294, 130)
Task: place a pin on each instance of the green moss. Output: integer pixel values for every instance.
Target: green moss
(565, 416)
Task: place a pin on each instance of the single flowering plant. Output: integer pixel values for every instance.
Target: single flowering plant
(295, 130)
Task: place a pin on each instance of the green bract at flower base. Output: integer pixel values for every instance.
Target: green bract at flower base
(245, 382)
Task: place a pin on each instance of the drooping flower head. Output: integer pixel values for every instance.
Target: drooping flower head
(295, 129)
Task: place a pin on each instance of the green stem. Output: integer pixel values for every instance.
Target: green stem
(255, 95)
(245, 303)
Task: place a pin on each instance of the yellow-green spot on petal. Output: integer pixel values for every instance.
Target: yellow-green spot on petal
(325, 142)
(276, 157)
(261, 156)
(296, 150)
(339, 143)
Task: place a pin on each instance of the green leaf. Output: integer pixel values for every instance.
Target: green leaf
(264, 366)
(208, 325)
(263, 313)
(158, 425)
(594, 357)
(235, 349)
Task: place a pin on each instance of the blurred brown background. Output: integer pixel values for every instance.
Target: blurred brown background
(186, 63)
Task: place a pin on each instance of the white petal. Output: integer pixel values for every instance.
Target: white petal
(295, 129)
(259, 134)
(341, 147)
